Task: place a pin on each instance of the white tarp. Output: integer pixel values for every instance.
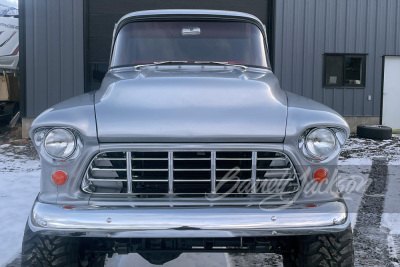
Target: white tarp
(8, 8)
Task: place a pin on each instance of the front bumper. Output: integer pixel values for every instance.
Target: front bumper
(193, 222)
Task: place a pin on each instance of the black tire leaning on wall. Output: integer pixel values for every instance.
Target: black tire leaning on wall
(379, 132)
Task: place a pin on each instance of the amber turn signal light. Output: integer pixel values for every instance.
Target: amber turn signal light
(59, 177)
(320, 175)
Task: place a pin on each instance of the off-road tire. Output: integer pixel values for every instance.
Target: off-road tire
(379, 132)
(45, 250)
(335, 249)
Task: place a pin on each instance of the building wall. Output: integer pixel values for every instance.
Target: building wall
(54, 52)
(306, 29)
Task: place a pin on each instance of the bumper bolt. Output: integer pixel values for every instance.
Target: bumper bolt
(108, 220)
(274, 232)
(273, 218)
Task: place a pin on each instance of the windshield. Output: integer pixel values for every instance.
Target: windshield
(140, 43)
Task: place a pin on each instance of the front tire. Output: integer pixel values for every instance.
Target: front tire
(334, 249)
(46, 250)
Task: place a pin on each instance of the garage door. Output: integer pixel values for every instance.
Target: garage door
(101, 15)
(391, 92)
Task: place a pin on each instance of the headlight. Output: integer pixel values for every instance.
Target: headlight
(60, 143)
(320, 143)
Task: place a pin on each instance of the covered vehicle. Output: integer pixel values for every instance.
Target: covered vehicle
(190, 145)
(9, 43)
(9, 58)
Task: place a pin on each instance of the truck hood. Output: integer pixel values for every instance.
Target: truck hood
(171, 105)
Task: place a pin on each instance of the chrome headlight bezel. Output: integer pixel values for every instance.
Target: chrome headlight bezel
(338, 135)
(41, 134)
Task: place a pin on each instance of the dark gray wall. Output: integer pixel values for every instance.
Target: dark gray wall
(306, 29)
(54, 52)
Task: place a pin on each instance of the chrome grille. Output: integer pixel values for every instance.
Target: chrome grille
(191, 173)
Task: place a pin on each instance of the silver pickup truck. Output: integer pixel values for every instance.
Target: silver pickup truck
(190, 145)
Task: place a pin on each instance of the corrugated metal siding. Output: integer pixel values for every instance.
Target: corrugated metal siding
(54, 52)
(306, 29)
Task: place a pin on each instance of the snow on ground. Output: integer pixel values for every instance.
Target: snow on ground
(356, 158)
(391, 215)
(392, 222)
(184, 260)
(19, 185)
(361, 151)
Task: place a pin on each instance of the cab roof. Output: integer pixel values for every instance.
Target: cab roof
(188, 12)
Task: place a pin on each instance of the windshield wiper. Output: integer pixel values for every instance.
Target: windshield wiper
(170, 62)
(221, 63)
(159, 63)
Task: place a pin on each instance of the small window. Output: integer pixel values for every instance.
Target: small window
(344, 70)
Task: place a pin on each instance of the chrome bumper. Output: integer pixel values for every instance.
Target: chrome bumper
(193, 222)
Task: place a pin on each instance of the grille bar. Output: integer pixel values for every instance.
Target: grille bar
(105, 180)
(129, 171)
(192, 158)
(213, 171)
(191, 181)
(189, 173)
(111, 159)
(233, 158)
(149, 158)
(253, 171)
(230, 169)
(170, 172)
(188, 170)
(151, 170)
(257, 180)
(271, 158)
(107, 169)
(275, 169)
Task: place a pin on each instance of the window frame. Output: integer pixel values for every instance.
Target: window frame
(216, 20)
(344, 85)
(199, 17)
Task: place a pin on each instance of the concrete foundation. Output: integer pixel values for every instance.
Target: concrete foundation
(26, 124)
(357, 120)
